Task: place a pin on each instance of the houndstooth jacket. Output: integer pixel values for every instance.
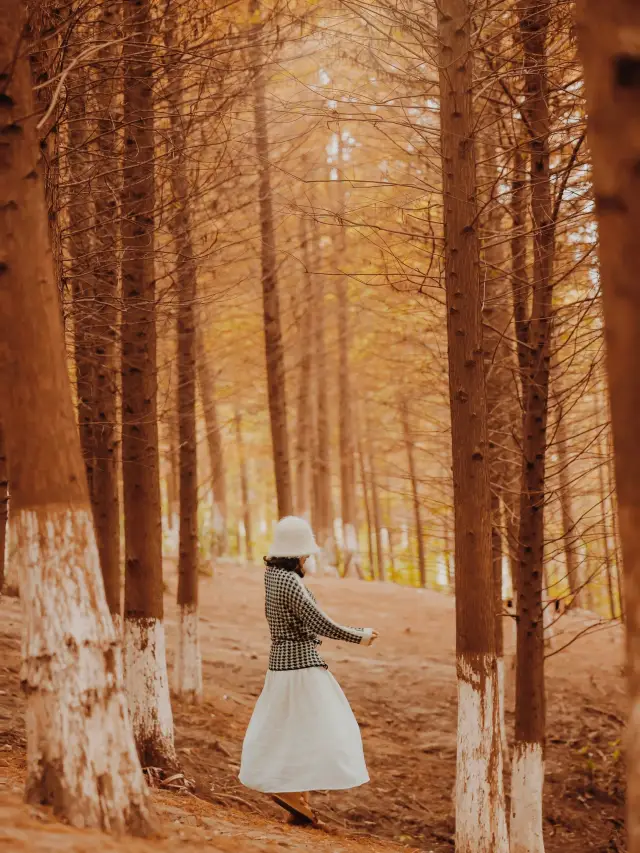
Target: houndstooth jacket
(296, 623)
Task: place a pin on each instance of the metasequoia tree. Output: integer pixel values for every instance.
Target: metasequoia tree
(323, 504)
(146, 668)
(81, 756)
(566, 506)
(480, 811)
(611, 58)
(80, 267)
(499, 368)
(351, 550)
(415, 493)
(244, 489)
(270, 295)
(188, 670)
(304, 417)
(105, 308)
(528, 758)
(376, 517)
(208, 394)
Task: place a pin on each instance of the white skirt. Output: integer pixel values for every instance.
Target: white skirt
(302, 736)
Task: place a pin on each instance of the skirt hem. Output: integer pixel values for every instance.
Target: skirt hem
(306, 787)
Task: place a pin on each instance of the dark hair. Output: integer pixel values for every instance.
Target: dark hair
(289, 564)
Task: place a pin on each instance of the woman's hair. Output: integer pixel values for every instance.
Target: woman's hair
(289, 564)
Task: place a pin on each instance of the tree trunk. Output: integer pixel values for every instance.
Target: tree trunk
(303, 459)
(271, 301)
(351, 551)
(81, 755)
(520, 286)
(208, 394)
(499, 369)
(146, 668)
(367, 508)
(244, 488)
(417, 513)
(45, 25)
(322, 467)
(188, 666)
(105, 497)
(528, 759)
(388, 522)
(614, 524)
(375, 506)
(566, 512)
(4, 507)
(80, 268)
(604, 525)
(480, 815)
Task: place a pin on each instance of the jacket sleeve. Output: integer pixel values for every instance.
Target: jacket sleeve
(305, 608)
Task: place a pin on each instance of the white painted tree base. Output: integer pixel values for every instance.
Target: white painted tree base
(188, 665)
(527, 779)
(148, 691)
(501, 706)
(81, 756)
(481, 825)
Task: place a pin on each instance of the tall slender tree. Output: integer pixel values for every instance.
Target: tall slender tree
(612, 84)
(415, 493)
(480, 815)
(207, 385)
(351, 550)
(304, 415)
(528, 755)
(565, 496)
(244, 490)
(146, 667)
(270, 294)
(323, 502)
(80, 250)
(81, 756)
(188, 669)
(105, 186)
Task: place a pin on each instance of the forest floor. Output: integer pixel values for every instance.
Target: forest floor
(403, 692)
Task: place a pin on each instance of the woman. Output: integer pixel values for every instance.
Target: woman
(302, 736)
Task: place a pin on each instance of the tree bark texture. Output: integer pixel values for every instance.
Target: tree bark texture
(81, 756)
(566, 510)
(274, 347)
(528, 760)
(480, 816)
(415, 493)
(351, 551)
(147, 682)
(106, 313)
(188, 667)
(244, 490)
(304, 418)
(209, 397)
(80, 268)
(611, 59)
(323, 522)
(375, 506)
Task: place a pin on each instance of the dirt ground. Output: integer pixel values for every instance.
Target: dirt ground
(403, 692)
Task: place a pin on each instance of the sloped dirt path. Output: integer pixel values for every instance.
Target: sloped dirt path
(403, 692)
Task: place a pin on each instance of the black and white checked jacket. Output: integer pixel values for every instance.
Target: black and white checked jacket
(296, 623)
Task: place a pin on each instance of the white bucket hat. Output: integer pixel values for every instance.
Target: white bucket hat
(293, 537)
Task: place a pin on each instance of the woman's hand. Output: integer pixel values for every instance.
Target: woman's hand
(374, 636)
